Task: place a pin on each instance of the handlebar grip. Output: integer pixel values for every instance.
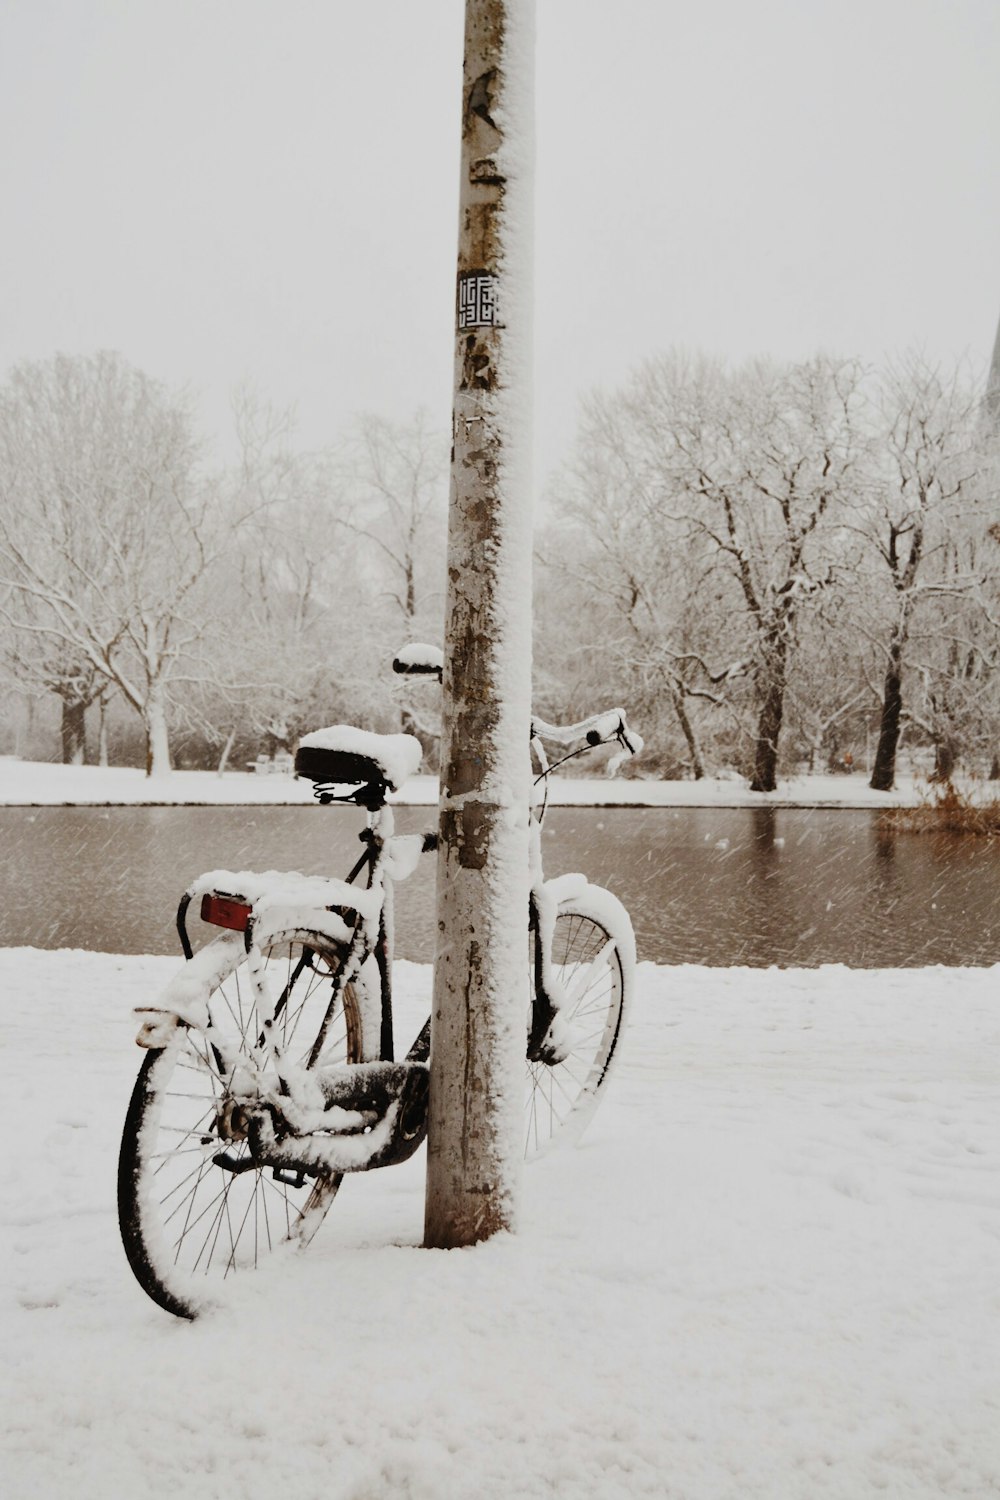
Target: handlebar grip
(417, 658)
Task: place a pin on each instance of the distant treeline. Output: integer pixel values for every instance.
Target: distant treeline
(773, 567)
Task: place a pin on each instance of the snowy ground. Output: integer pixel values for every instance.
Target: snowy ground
(772, 1270)
(40, 784)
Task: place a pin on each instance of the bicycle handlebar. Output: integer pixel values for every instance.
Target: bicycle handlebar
(418, 658)
(598, 729)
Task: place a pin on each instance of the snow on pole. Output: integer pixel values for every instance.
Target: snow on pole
(480, 972)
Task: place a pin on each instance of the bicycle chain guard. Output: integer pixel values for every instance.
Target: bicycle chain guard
(393, 1097)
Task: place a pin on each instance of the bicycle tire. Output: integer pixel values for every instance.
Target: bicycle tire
(187, 1222)
(594, 966)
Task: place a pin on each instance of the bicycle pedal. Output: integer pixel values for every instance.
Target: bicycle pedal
(289, 1176)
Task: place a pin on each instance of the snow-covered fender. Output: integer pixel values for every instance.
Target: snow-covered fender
(185, 1001)
(574, 893)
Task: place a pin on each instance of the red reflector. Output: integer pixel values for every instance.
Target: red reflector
(223, 911)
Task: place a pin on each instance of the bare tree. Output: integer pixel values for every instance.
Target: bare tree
(626, 585)
(926, 522)
(391, 481)
(35, 665)
(290, 640)
(764, 471)
(109, 534)
(394, 482)
(37, 660)
(713, 499)
(829, 697)
(305, 616)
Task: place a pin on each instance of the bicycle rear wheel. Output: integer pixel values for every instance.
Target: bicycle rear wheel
(192, 1208)
(592, 971)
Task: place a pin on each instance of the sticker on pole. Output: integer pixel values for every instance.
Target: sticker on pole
(477, 300)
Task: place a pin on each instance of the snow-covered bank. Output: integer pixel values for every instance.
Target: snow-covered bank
(769, 1273)
(41, 784)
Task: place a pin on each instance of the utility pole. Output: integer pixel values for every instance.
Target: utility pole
(478, 1025)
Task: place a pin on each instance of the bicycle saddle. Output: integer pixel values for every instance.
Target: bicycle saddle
(341, 754)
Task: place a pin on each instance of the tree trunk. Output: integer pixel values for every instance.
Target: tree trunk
(102, 731)
(227, 747)
(411, 591)
(687, 729)
(765, 762)
(884, 769)
(74, 731)
(765, 759)
(945, 760)
(474, 1144)
(157, 737)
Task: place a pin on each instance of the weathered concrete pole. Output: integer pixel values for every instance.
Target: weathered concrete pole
(478, 1025)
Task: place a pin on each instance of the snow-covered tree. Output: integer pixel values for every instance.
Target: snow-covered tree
(713, 500)
(34, 665)
(109, 531)
(393, 481)
(925, 518)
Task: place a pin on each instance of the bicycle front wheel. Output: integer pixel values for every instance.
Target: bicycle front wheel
(593, 971)
(193, 1208)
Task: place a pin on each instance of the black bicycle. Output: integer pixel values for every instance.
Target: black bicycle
(270, 1067)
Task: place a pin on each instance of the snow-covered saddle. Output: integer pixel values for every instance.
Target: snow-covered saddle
(343, 755)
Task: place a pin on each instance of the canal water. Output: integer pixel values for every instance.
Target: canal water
(717, 886)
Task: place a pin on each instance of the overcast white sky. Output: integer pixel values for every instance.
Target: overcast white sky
(268, 188)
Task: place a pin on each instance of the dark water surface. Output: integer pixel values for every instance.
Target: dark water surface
(718, 886)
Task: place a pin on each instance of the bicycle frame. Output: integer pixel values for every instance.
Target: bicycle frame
(283, 1093)
(390, 1098)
